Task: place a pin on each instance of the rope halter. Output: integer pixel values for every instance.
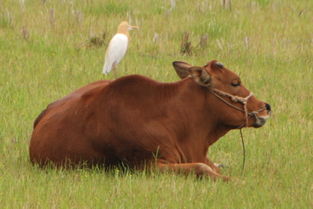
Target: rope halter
(243, 100)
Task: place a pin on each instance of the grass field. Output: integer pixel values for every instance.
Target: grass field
(46, 52)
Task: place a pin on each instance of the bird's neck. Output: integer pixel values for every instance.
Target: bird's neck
(123, 31)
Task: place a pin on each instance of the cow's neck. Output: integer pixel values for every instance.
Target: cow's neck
(216, 133)
(207, 125)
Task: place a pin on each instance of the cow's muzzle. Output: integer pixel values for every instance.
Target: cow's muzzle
(261, 120)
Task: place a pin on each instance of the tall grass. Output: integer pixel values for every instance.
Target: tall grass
(45, 53)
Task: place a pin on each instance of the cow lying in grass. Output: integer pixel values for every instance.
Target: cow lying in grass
(137, 122)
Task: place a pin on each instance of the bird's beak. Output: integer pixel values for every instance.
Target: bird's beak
(130, 27)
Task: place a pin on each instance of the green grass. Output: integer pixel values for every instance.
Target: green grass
(269, 43)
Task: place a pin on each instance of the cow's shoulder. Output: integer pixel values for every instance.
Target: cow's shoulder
(133, 80)
(133, 89)
(133, 84)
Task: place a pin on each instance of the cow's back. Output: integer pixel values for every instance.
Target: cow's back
(71, 97)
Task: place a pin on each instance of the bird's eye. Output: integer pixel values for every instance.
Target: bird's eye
(235, 83)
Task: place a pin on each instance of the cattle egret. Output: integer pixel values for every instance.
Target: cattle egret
(117, 47)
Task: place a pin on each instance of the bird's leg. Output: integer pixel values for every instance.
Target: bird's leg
(114, 71)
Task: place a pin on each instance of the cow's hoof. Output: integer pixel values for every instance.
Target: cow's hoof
(219, 165)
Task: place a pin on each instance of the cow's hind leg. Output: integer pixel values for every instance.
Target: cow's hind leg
(200, 169)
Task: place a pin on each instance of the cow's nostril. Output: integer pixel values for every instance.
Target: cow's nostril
(268, 107)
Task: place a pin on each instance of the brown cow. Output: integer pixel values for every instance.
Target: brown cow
(140, 122)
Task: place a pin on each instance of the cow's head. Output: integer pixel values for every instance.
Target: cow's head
(236, 106)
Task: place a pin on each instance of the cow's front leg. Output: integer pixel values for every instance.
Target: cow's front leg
(215, 166)
(200, 169)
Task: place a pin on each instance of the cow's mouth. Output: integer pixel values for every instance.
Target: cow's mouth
(260, 121)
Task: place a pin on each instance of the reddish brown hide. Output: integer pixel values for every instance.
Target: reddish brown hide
(137, 121)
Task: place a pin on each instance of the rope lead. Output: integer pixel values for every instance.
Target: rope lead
(243, 152)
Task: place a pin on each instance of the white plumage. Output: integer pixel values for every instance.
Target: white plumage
(115, 52)
(117, 47)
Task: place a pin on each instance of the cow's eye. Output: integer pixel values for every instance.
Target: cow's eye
(235, 83)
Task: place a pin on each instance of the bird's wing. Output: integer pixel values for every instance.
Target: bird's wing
(115, 52)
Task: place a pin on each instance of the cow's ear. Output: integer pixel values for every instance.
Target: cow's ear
(200, 75)
(215, 65)
(182, 69)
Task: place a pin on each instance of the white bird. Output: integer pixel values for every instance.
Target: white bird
(117, 47)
